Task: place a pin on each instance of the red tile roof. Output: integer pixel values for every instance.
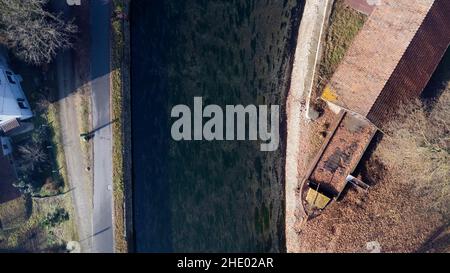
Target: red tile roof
(392, 58)
(417, 65)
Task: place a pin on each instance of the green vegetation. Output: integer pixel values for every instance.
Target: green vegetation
(45, 225)
(55, 218)
(40, 219)
(37, 175)
(345, 23)
(41, 166)
(119, 115)
(39, 154)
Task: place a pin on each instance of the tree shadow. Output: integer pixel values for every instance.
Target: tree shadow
(152, 223)
(439, 241)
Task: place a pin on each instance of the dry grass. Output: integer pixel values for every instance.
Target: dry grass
(416, 149)
(344, 24)
(13, 213)
(407, 207)
(28, 234)
(119, 114)
(391, 214)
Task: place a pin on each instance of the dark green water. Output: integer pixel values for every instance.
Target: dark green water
(208, 196)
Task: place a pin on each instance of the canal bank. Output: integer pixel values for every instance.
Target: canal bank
(121, 115)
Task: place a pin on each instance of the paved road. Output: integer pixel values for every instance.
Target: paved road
(76, 164)
(102, 240)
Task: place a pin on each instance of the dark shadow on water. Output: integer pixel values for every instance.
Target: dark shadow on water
(150, 140)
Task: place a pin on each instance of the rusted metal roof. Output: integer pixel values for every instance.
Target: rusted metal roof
(375, 54)
(417, 65)
(341, 153)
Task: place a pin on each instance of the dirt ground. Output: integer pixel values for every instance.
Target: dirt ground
(391, 215)
(301, 80)
(73, 89)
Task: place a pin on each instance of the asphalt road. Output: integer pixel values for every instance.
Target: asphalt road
(102, 240)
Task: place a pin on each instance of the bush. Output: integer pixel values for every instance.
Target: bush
(56, 218)
(32, 161)
(416, 148)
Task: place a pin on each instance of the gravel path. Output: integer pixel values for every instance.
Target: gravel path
(306, 58)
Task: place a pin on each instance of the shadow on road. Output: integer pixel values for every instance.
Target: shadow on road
(102, 127)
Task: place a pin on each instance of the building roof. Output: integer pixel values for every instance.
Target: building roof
(417, 65)
(9, 125)
(10, 92)
(396, 52)
(338, 157)
(363, 6)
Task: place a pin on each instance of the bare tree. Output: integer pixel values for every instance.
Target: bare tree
(34, 34)
(32, 155)
(416, 149)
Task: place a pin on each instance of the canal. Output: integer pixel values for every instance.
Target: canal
(199, 196)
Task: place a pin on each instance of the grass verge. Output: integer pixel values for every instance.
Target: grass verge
(119, 94)
(345, 23)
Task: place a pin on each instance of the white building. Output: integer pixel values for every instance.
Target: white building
(14, 106)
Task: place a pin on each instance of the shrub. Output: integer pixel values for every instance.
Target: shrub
(416, 148)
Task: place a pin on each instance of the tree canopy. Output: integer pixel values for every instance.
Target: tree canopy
(34, 34)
